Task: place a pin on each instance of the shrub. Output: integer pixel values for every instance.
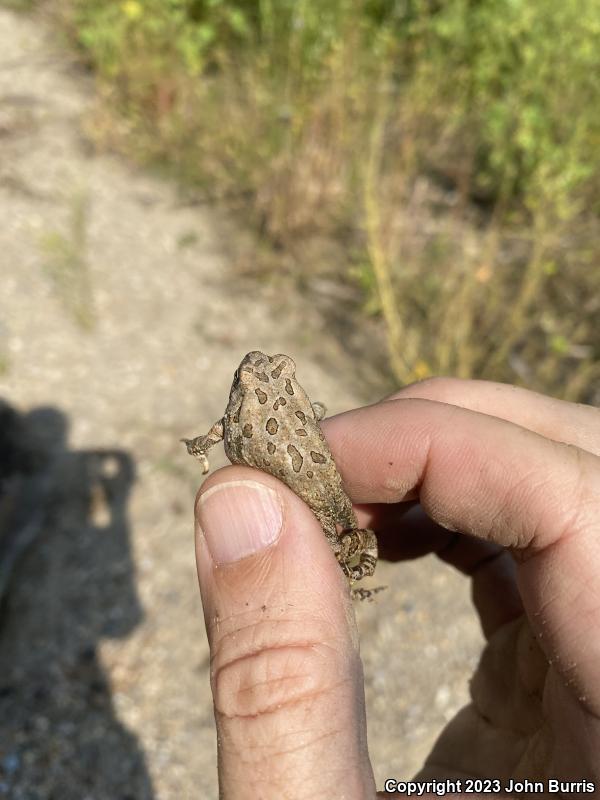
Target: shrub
(451, 149)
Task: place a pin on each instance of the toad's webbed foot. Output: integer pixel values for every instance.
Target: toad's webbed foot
(366, 594)
(361, 544)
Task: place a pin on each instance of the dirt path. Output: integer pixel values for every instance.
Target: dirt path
(120, 327)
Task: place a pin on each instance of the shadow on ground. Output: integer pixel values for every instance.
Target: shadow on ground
(66, 580)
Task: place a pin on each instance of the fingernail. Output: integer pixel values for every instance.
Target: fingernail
(238, 519)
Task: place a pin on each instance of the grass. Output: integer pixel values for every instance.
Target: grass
(66, 265)
(450, 150)
(19, 5)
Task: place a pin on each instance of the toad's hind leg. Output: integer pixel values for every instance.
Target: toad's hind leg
(353, 544)
(330, 531)
(358, 543)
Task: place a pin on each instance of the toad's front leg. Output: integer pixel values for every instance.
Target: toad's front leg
(199, 446)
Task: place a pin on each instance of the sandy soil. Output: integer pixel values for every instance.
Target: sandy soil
(121, 322)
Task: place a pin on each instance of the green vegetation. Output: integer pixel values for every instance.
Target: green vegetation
(18, 5)
(66, 265)
(451, 149)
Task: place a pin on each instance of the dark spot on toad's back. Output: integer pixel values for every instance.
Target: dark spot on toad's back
(296, 458)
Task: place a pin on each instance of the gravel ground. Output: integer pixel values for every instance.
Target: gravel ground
(121, 323)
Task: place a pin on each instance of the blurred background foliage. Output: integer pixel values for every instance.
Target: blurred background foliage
(448, 149)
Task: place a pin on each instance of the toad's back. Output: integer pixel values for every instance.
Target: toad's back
(270, 424)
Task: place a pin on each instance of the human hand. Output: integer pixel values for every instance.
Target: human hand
(487, 460)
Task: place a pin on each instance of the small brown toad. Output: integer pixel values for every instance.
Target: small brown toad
(271, 424)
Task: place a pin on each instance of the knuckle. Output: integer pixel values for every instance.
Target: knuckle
(438, 384)
(562, 515)
(435, 388)
(273, 678)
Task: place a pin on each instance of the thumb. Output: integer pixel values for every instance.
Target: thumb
(285, 672)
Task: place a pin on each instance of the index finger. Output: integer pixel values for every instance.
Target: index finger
(574, 423)
(502, 483)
